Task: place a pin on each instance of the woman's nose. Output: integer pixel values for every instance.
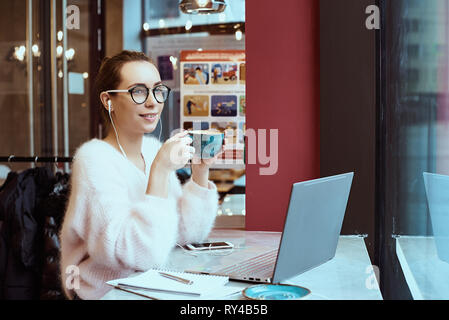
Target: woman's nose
(151, 101)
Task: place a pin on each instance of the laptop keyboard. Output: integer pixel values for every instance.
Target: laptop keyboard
(259, 266)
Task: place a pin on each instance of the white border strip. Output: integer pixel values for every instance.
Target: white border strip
(65, 91)
(30, 75)
(54, 78)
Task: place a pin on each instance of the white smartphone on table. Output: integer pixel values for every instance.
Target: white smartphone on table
(210, 246)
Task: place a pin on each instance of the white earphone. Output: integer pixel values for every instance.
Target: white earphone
(115, 130)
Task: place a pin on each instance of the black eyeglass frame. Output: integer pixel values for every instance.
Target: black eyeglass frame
(130, 91)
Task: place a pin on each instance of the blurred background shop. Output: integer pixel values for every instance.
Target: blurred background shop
(50, 53)
(53, 49)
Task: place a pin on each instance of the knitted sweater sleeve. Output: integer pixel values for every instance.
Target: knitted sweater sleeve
(119, 233)
(197, 207)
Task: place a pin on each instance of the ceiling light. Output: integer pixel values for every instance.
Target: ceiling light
(202, 6)
(69, 54)
(202, 3)
(35, 50)
(238, 35)
(59, 51)
(19, 53)
(188, 25)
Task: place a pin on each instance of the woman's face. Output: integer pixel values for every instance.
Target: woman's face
(132, 117)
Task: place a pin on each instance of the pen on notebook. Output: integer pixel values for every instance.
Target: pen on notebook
(182, 280)
(119, 287)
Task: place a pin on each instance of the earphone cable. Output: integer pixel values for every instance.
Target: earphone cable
(160, 131)
(116, 134)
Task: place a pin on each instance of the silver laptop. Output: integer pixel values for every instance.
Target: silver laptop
(310, 236)
(437, 190)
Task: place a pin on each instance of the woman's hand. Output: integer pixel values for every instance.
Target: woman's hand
(174, 153)
(200, 168)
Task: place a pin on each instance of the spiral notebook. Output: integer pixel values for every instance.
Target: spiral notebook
(152, 280)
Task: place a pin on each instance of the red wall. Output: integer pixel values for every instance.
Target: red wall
(282, 52)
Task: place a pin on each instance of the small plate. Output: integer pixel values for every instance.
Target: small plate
(275, 292)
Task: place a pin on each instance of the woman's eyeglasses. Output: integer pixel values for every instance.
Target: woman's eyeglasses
(140, 93)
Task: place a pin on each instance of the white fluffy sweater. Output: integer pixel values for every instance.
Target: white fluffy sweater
(112, 228)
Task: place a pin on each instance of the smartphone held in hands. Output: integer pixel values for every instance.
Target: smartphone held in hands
(209, 246)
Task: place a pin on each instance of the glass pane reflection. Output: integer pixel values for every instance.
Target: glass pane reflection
(417, 113)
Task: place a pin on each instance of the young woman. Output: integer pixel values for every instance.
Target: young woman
(127, 208)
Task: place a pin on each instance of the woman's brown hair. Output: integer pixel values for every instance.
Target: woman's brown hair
(109, 77)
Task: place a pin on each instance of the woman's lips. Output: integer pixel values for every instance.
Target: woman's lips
(151, 117)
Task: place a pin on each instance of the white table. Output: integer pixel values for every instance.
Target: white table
(349, 275)
(425, 273)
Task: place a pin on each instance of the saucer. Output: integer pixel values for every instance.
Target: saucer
(275, 292)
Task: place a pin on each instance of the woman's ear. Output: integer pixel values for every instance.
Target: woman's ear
(105, 100)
